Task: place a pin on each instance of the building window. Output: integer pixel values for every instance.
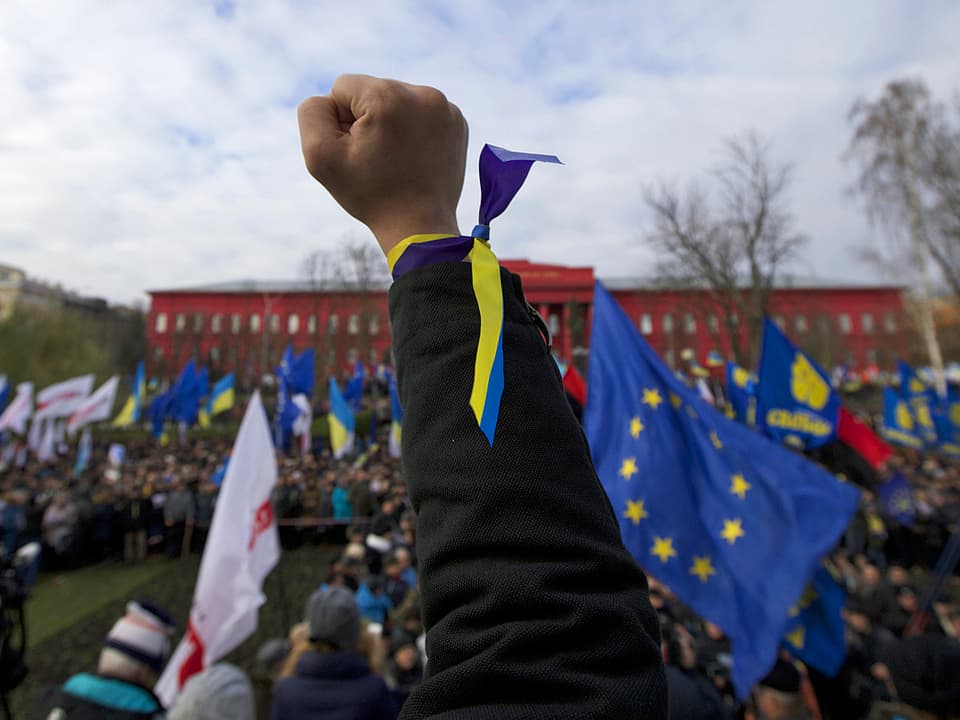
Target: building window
(689, 324)
(352, 356)
(235, 322)
(800, 323)
(646, 324)
(871, 356)
(374, 327)
(353, 324)
(216, 322)
(274, 323)
(198, 323)
(161, 325)
(293, 323)
(312, 324)
(333, 324)
(667, 323)
(890, 322)
(866, 323)
(843, 320)
(712, 325)
(214, 355)
(668, 357)
(181, 322)
(254, 323)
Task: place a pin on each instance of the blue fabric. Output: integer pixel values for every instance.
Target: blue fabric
(4, 392)
(160, 409)
(353, 392)
(738, 523)
(335, 686)
(742, 394)
(899, 423)
(112, 693)
(923, 400)
(798, 404)
(373, 607)
(896, 499)
(342, 509)
(816, 634)
(294, 376)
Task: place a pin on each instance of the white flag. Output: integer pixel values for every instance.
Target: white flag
(241, 550)
(96, 407)
(47, 452)
(19, 410)
(63, 398)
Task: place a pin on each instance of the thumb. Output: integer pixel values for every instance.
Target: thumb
(324, 130)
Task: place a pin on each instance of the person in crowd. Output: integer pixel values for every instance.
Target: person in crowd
(133, 514)
(59, 530)
(330, 678)
(779, 697)
(403, 671)
(692, 695)
(219, 692)
(132, 658)
(179, 511)
(13, 519)
(340, 498)
(206, 501)
(268, 669)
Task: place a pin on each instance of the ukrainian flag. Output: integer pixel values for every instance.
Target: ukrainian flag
(341, 421)
(220, 400)
(131, 410)
(396, 419)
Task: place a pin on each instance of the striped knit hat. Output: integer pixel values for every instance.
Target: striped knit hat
(143, 634)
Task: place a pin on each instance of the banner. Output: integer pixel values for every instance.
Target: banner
(242, 548)
(96, 407)
(19, 410)
(61, 399)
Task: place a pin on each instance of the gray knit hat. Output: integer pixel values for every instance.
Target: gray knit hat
(221, 692)
(334, 618)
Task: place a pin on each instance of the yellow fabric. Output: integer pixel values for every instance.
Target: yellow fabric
(222, 402)
(125, 417)
(486, 287)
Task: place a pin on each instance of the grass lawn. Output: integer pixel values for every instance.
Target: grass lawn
(60, 601)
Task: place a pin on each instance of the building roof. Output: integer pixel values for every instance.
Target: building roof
(787, 282)
(270, 287)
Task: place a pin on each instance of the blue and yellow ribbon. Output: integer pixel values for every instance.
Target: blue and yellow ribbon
(502, 173)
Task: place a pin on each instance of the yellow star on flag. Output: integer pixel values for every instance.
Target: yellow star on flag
(796, 637)
(739, 486)
(702, 568)
(636, 427)
(629, 468)
(651, 397)
(663, 548)
(676, 401)
(715, 439)
(732, 529)
(635, 511)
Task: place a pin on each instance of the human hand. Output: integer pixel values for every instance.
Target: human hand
(392, 154)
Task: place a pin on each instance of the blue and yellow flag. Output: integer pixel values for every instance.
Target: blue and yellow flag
(396, 419)
(742, 394)
(896, 499)
(899, 425)
(735, 524)
(130, 413)
(923, 401)
(798, 404)
(341, 422)
(815, 632)
(220, 400)
(715, 359)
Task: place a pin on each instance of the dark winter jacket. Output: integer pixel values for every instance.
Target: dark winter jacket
(533, 607)
(337, 686)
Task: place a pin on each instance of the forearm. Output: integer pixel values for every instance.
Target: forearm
(528, 595)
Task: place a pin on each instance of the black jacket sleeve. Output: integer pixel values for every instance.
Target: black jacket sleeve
(533, 607)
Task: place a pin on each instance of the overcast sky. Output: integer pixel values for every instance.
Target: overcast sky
(154, 144)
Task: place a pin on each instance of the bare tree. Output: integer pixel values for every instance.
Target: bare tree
(906, 159)
(731, 247)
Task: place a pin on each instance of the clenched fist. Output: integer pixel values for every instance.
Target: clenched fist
(392, 154)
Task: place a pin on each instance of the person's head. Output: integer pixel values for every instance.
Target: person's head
(907, 599)
(221, 692)
(137, 645)
(858, 619)
(404, 653)
(870, 575)
(271, 656)
(402, 557)
(897, 575)
(777, 697)
(391, 567)
(333, 619)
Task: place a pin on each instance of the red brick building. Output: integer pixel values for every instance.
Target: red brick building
(243, 327)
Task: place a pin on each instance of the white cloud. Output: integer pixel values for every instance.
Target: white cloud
(150, 145)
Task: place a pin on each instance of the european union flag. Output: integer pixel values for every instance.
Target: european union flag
(899, 425)
(742, 394)
(798, 404)
(896, 499)
(191, 385)
(815, 632)
(294, 376)
(733, 523)
(353, 392)
(160, 409)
